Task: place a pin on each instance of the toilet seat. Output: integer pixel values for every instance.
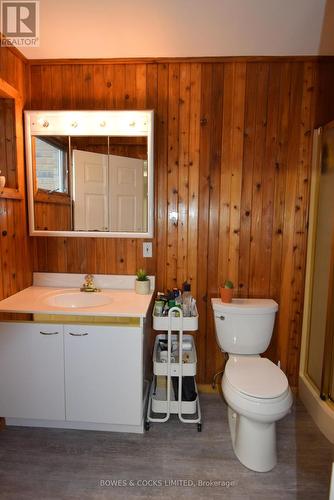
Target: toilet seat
(259, 409)
(256, 377)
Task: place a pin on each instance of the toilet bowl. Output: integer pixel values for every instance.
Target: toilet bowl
(255, 389)
(258, 395)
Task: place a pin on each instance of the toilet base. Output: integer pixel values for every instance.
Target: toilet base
(254, 443)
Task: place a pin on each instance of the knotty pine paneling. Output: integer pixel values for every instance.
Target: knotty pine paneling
(232, 158)
(13, 69)
(15, 259)
(52, 216)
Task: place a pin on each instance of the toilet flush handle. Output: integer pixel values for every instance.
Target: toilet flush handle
(222, 318)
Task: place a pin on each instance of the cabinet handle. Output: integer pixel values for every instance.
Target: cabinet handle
(78, 334)
(49, 333)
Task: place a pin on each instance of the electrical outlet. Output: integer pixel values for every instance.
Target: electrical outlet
(147, 249)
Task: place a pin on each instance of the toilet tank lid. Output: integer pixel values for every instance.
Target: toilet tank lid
(256, 377)
(245, 306)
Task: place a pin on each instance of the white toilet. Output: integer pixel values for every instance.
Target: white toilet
(256, 390)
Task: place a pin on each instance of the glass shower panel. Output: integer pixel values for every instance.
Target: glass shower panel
(322, 260)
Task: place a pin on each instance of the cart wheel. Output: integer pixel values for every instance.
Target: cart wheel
(199, 427)
(147, 425)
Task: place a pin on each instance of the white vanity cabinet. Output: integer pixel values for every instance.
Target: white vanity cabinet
(83, 360)
(103, 374)
(72, 376)
(32, 371)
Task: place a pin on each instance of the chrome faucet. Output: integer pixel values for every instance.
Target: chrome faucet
(88, 285)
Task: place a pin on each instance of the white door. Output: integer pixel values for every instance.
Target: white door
(32, 371)
(103, 373)
(90, 191)
(126, 194)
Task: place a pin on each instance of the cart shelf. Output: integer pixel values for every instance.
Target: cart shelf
(189, 357)
(187, 324)
(159, 403)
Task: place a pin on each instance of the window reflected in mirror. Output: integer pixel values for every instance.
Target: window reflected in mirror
(51, 157)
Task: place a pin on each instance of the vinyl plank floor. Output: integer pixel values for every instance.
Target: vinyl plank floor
(170, 461)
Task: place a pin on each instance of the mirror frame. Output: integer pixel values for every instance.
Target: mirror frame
(9, 92)
(90, 123)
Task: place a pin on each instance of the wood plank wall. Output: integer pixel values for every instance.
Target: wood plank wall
(15, 259)
(232, 158)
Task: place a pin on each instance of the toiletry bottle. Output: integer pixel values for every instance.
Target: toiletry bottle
(178, 302)
(186, 299)
(178, 298)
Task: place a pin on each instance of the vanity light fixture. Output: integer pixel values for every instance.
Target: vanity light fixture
(43, 122)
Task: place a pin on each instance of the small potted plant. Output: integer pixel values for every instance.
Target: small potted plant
(226, 291)
(143, 283)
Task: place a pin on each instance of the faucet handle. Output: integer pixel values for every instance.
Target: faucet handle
(89, 281)
(88, 285)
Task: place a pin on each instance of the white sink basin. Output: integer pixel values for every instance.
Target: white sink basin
(78, 299)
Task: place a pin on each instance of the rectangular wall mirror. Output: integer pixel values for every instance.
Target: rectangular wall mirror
(90, 173)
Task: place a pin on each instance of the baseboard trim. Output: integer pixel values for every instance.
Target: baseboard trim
(87, 426)
(207, 389)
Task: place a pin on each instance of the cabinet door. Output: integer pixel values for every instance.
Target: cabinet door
(103, 373)
(32, 371)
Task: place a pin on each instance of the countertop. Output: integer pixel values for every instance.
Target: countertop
(124, 303)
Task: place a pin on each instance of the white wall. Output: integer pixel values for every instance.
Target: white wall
(173, 28)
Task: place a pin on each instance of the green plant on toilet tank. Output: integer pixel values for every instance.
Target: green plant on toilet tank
(228, 284)
(142, 285)
(226, 291)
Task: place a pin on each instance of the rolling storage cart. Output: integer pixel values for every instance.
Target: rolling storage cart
(180, 362)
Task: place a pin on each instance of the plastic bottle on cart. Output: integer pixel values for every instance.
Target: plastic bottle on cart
(186, 299)
(178, 298)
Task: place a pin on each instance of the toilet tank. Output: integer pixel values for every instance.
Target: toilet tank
(245, 326)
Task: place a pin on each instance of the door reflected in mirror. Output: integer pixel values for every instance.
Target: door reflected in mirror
(90, 172)
(109, 190)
